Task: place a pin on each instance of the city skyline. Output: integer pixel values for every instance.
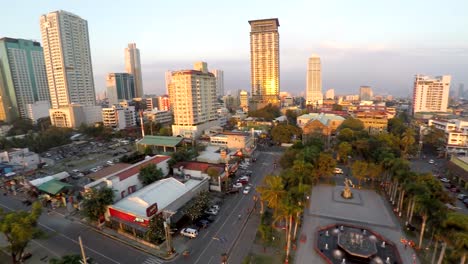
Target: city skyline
(390, 50)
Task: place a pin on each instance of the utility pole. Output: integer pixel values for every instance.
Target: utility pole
(82, 251)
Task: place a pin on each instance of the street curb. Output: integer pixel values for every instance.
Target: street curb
(131, 245)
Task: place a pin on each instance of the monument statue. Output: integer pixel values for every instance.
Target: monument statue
(347, 194)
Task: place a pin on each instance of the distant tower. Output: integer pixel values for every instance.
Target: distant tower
(244, 100)
(314, 80)
(365, 93)
(431, 94)
(264, 61)
(133, 66)
(24, 77)
(120, 86)
(168, 78)
(330, 94)
(219, 74)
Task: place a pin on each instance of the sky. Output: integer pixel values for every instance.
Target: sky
(382, 44)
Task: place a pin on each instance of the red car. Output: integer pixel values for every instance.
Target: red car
(455, 190)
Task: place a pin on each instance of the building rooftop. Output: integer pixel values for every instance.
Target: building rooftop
(163, 193)
(266, 19)
(199, 166)
(322, 117)
(108, 171)
(160, 141)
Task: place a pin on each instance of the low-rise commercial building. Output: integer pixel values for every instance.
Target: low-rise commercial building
(375, 122)
(126, 182)
(21, 157)
(456, 134)
(119, 117)
(157, 116)
(159, 144)
(458, 170)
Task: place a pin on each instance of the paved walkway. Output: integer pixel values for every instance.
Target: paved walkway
(370, 210)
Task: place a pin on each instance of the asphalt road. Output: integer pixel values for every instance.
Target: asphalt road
(222, 236)
(62, 239)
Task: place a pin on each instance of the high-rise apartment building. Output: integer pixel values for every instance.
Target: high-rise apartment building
(330, 94)
(264, 62)
(119, 117)
(193, 101)
(314, 81)
(365, 93)
(219, 75)
(120, 86)
(133, 66)
(23, 78)
(164, 103)
(168, 78)
(431, 94)
(244, 100)
(67, 56)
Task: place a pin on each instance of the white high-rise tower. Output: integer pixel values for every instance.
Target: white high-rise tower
(431, 94)
(67, 56)
(314, 80)
(219, 74)
(133, 66)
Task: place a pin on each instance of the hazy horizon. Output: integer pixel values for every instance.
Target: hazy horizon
(364, 42)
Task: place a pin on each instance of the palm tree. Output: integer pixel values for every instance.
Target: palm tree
(426, 206)
(272, 191)
(407, 140)
(289, 209)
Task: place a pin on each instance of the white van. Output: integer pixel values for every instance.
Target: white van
(189, 232)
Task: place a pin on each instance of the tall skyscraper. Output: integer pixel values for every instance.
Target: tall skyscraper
(314, 80)
(244, 100)
(133, 66)
(431, 94)
(69, 69)
(168, 78)
(365, 93)
(219, 74)
(264, 61)
(120, 86)
(193, 101)
(24, 77)
(461, 91)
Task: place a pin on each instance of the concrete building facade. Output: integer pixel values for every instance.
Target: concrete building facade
(133, 66)
(431, 94)
(193, 101)
(365, 93)
(219, 75)
(69, 69)
(23, 77)
(120, 86)
(314, 81)
(119, 117)
(264, 61)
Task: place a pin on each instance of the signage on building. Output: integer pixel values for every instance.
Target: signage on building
(139, 220)
(150, 211)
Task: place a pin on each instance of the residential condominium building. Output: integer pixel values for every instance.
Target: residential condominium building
(456, 134)
(219, 75)
(133, 66)
(119, 117)
(120, 86)
(23, 78)
(67, 56)
(244, 100)
(193, 101)
(365, 93)
(164, 103)
(431, 94)
(314, 81)
(157, 116)
(264, 62)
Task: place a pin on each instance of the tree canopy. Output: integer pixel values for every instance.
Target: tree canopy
(96, 202)
(268, 112)
(352, 123)
(149, 174)
(284, 133)
(19, 228)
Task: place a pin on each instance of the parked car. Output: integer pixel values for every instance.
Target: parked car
(338, 171)
(247, 189)
(431, 161)
(455, 190)
(233, 191)
(466, 202)
(189, 232)
(462, 196)
(445, 180)
(248, 173)
(211, 211)
(237, 185)
(202, 223)
(209, 218)
(215, 207)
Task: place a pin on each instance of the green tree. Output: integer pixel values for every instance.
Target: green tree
(344, 149)
(165, 131)
(353, 124)
(68, 259)
(396, 126)
(434, 137)
(149, 174)
(196, 207)
(359, 169)
(288, 157)
(325, 165)
(292, 116)
(96, 201)
(20, 126)
(156, 233)
(268, 112)
(19, 228)
(346, 134)
(284, 133)
(407, 140)
(271, 191)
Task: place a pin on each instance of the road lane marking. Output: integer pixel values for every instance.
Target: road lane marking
(153, 260)
(210, 259)
(66, 237)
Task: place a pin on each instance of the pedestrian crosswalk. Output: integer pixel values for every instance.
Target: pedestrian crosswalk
(153, 260)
